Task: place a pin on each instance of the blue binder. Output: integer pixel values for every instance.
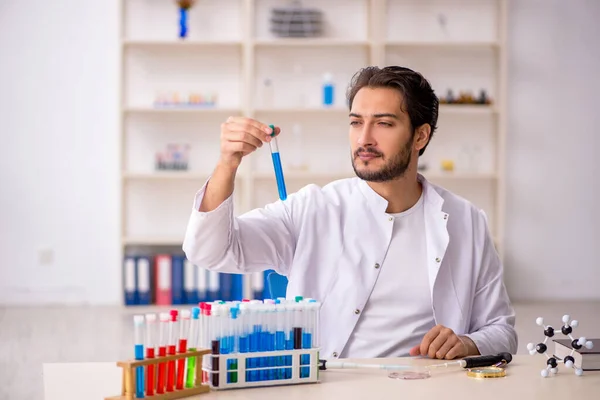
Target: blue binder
(129, 281)
(225, 283)
(189, 283)
(214, 286)
(177, 291)
(237, 287)
(201, 284)
(143, 280)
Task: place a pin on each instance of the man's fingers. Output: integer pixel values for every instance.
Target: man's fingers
(243, 137)
(415, 351)
(429, 338)
(266, 129)
(240, 147)
(446, 346)
(247, 128)
(444, 335)
(437, 343)
(458, 350)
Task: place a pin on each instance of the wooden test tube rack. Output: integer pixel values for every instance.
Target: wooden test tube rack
(128, 380)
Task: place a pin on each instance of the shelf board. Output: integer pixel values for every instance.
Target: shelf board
(437, 175)
(467, 109)
(180, 110)
(295, 110)
(164, 175)
(304, 175)
(162, 43)
(308, 42)
(438, 45)
(153, 240)
(441, 175)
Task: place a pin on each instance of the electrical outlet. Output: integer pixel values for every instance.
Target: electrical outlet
(45, 256)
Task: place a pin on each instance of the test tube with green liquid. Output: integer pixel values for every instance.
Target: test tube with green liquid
(193, 345)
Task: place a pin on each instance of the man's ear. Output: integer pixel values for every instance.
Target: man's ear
(422, 134)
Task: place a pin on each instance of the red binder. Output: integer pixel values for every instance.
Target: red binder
(163, 279)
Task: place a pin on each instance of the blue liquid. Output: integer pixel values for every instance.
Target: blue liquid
(279, 176)
(183, 22)
(139, 372)
(305, 358)
(244, 348)
(254, 347)
(327, 94)
(289, 345)
(271, 362)
(280, 345)
(244, 344)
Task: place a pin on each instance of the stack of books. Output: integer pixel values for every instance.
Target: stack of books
(587, 359)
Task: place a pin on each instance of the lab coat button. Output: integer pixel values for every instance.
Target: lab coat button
(438, 259)
(377, 265)
(390, 219)
(357, 311)
(335, 354)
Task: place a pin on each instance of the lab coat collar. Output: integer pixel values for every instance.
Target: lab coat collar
(436, 220)
(431, 196)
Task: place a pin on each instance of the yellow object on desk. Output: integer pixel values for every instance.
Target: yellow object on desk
(486, 372)
(447, 165)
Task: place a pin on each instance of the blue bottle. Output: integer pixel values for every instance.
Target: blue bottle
(183, 22)
(328, 90)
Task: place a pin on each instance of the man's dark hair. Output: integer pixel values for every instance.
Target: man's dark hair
(419, 101)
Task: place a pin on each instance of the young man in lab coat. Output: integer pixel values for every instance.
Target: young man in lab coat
(401, 266)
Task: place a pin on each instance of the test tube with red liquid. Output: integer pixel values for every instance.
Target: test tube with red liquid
(205, 337)
(162, 351)
(183, 334)
(150, 343)
(171, 350)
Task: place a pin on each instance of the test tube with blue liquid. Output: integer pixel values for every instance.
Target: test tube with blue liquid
(244, 335)
(280, 337)
(310, 309)
(138, 334)
(274, 146)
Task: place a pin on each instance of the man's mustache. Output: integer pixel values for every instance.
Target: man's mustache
(369, 150)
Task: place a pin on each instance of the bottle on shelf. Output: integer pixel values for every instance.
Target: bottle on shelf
(297, 160)
(328, 90)
(267, 93)
(299, 85)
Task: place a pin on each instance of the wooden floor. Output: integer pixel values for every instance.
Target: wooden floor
(30, 337)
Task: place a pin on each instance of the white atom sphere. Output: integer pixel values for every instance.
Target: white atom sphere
(589, 344)
(539, 321)
(574, 323)
(581, 341)
(566, 318)
(530, 346)
(569, 364)
(544, 373)
(553, 370)
(532, 352)
(578, 372)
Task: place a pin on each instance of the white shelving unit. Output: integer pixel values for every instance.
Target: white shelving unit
(456, 44)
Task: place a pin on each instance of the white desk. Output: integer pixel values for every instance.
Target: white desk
(94, 381)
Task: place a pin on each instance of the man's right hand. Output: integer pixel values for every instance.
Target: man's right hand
(241, 136)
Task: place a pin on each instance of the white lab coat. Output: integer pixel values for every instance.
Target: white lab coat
(328, 240)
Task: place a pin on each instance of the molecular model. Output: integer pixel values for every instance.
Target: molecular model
(576, 344)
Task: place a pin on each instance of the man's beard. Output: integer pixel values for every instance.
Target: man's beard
(394, 168)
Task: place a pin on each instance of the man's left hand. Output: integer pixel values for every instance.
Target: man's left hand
(442, 343)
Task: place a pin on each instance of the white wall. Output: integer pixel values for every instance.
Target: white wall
(553, 233)
(59, 162)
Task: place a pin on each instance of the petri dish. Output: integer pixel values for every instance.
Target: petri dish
(410, 374)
